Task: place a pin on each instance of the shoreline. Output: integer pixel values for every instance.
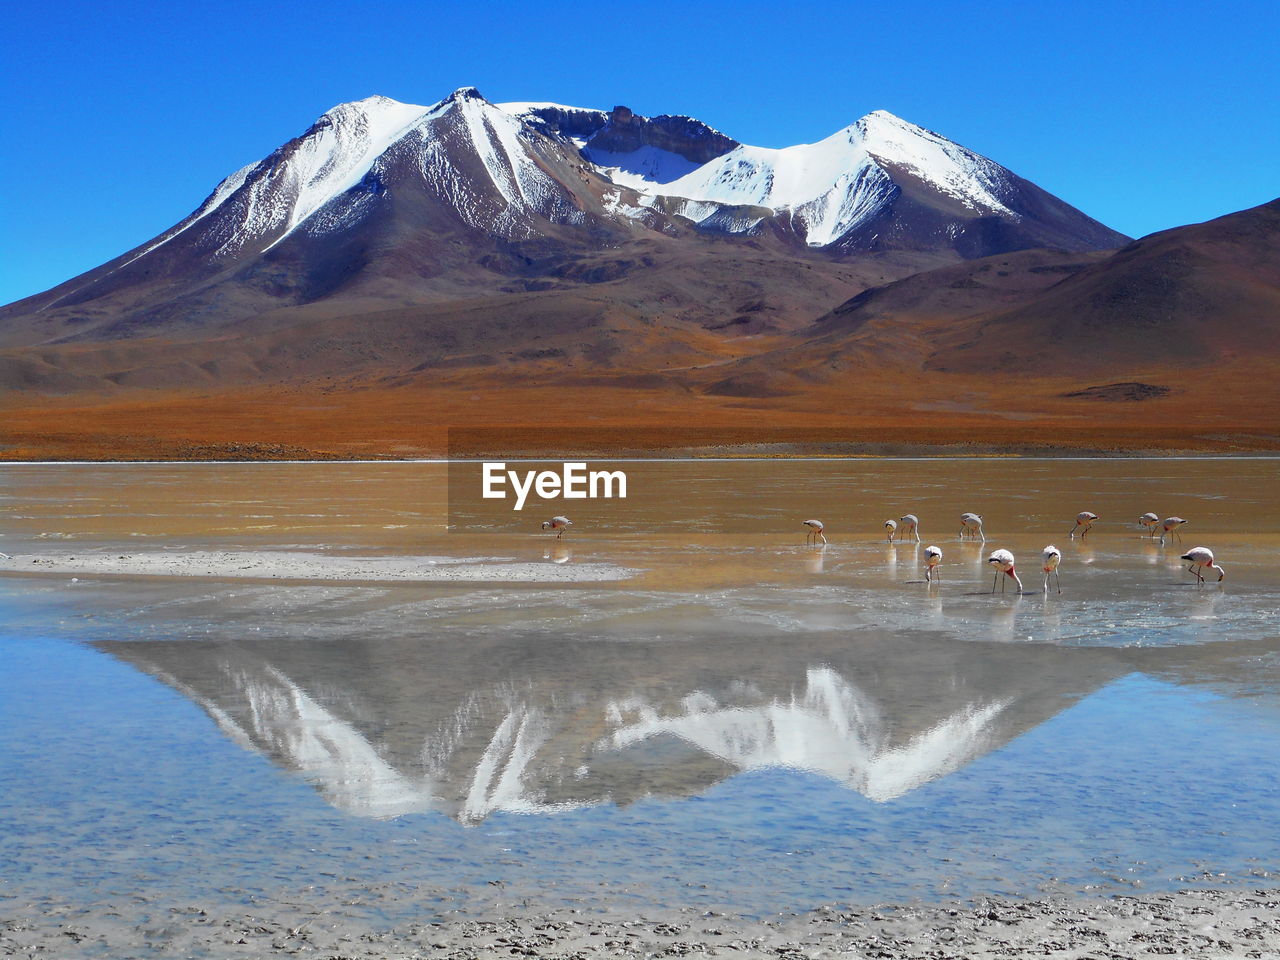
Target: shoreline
(1218, 922)
(308, 567)
(780, 451)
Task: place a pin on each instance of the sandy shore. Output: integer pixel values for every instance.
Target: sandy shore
(291, 565)
(1199, 923)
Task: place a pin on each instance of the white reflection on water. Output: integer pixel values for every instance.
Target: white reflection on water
(831, 728)
(469, 721)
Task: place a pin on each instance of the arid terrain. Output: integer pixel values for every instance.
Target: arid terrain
(533, 270)
(892, 412)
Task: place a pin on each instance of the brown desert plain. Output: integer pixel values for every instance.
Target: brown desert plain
(889, 413)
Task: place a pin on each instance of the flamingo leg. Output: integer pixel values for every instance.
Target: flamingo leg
(1058, 579)
(993, 581)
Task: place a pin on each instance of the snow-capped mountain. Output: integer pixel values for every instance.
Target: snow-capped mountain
(502, 170)
(390, 240)
(373, 187)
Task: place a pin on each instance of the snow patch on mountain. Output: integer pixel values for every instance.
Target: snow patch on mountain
(506, 148)
(335, 156)
(640, 169)
(835, 184)
(614, 204)
(524, 108)
(948, 167)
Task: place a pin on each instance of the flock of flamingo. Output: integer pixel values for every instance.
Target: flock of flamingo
(1199, 558)
(1002, 561)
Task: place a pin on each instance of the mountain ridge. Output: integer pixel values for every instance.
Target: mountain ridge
(335, 171)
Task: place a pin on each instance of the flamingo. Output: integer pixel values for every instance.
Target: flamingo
(1202, 557)
(1084, 519)
(557, 523)
(1171, 525)
(815, 531)
(932, 557)
(891, 526)
(1150, 521)
(1002, 560)
(971, 526)
(1050, 559)
(909, 524)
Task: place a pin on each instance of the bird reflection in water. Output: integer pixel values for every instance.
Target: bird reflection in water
(815, 560)
(558, 552)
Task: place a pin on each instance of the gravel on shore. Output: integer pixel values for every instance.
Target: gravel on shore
(1196, 923)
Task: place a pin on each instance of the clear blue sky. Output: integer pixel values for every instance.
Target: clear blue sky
(119, 118)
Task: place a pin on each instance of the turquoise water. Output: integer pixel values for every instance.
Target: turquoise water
(115, 782)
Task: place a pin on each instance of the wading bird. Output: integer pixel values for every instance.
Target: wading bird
(932, 557)
(815, 531)
(1151, 521)
(905, 526)
(1084, 520)
(1202, 557)
(557, 523)
(1002, 560)
(1171, 525)
(1050, 559)
(971, 526)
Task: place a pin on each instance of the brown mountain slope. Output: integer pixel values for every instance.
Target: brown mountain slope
(898, 325)
(646, 306)
(1205, 294)
(1201, 294)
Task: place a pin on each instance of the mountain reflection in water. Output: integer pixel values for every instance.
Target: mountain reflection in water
(388, 726)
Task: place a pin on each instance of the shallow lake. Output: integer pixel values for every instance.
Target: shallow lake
(746, 721)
